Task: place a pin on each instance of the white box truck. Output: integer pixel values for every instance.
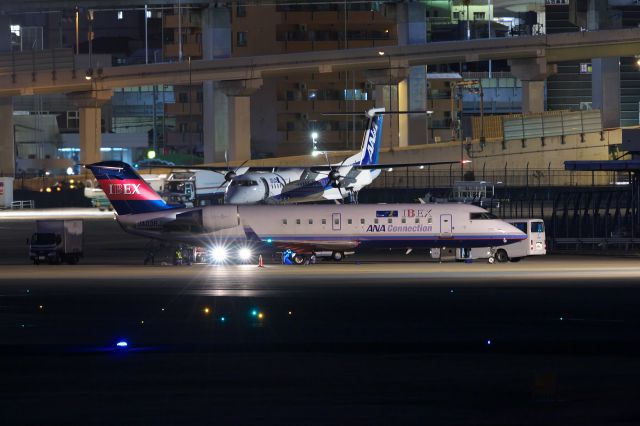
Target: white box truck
(57, 241)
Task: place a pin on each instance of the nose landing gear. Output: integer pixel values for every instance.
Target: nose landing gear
(499, 255)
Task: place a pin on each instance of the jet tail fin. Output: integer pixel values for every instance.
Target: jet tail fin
(125, 189)
(372, 137)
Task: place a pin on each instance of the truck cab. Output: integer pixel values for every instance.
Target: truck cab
(56, 241)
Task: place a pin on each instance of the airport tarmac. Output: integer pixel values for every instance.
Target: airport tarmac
(532, 272)
(551, 340)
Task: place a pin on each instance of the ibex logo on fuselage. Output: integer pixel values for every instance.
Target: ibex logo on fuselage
(124, 188)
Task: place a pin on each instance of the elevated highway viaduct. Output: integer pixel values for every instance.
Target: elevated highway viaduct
(532, 59)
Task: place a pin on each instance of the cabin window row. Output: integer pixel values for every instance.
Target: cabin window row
(362, 221)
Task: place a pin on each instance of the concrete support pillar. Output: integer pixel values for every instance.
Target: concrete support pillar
(412, 29)
(90, 108)
(90, 134)
(216, 32)
(403, 119)
(412, 23)
(208, 122)
(233, 118)
(386, 95)
(605, 76)
(532, 72)
(416, 100)
(532, 96)
(7, 147)
(5, 34)
(216, 43)
(239, 128)
(605, 89)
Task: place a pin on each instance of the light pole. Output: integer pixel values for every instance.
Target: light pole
(469, 85)
(427, 119)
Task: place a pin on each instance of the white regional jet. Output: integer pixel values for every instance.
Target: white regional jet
(305, 229)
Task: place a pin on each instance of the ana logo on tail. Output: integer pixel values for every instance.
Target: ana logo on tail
(371, 139)
(371, 143)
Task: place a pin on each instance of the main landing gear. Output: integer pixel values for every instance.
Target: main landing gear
(290, 257)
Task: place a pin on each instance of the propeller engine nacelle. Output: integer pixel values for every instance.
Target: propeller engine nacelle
(335, 178)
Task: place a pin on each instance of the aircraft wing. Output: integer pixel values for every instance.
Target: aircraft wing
(392, 165)
(224, 169)
(303, 246)
(382, 166)
(315, 169)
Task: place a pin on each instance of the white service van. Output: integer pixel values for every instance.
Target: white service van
(534, 245)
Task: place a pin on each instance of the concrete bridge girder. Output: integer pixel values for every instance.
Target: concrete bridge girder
(555, 47)
(529, 69)
(239, 87)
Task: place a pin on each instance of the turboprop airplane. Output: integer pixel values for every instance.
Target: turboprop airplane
(287, 185)
(303, 184)
(332, 228)
(198, 185)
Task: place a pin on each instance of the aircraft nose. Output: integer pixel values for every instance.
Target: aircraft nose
(240, 195)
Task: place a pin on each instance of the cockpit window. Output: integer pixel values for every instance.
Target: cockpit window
(43, 238)
(521, 226)
(482, 216)
(237, 182)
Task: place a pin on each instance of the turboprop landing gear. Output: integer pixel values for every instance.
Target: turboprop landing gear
(353, 197)
(492, 255)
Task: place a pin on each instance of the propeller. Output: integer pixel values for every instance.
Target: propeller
(230, 174)
(335, 177)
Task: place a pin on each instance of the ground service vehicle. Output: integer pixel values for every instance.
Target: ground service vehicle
(57, 241)
(194, 188)
(534, 245)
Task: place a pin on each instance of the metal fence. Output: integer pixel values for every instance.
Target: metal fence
(427, 178)
(559, 123)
